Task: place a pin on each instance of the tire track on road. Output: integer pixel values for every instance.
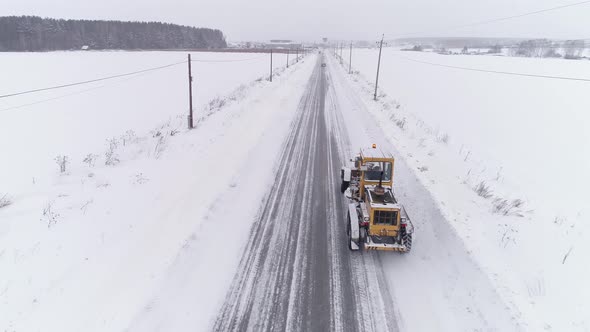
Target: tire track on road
(296, 273)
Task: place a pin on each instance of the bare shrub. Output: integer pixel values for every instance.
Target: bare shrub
(444, 138)
(238, 92)
(90, 159)
(423, 168)
(401, 123)
(111, 157)
(506, 207)
(517, 203)
(61, 161)
(467, 156)
(559, 220)
(483, 190)
(216, 103)
(140, 179)
(500, 205)
(85, 206)
(128, 137)
(49, 216)
(566, 255)
(499, 174)
(160, 146)
(421, 142)
(574, 49)
(5, 201)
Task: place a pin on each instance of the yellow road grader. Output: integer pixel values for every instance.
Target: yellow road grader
(375, 219)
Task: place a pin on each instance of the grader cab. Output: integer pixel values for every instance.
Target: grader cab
(375, 219)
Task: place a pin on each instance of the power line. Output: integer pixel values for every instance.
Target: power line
(118, 76)
(500, 19)
(237, 60)
(50, 99)
(91, 81)
(68, 94)
(579, 79)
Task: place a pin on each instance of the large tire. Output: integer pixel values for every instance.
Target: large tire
(362, 238)
(407, 238)
(343, 186)
(348, 232)
(349, 239)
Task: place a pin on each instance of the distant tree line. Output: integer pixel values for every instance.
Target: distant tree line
(31, 33)
(569, 49)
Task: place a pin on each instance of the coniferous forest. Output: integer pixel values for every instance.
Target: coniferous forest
(31, 33)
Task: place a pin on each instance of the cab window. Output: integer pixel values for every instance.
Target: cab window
(385, 218)
(374, 169)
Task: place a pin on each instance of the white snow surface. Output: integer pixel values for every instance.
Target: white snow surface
(78, 120)
(525, 138)
(152, 242)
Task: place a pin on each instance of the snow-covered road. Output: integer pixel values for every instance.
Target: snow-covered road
(297, 273)
(244, 232)
(151, 242)
(438, 286)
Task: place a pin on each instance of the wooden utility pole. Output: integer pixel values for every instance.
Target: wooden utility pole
(190, 94)
(350, 60)
(297, 57)
(378, 67)
(271, 64)
(288, 50)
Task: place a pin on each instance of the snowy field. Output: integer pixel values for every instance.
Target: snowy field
(137, 235)
(78, 120)
(125, 234)
(524, 139)
(502, 118)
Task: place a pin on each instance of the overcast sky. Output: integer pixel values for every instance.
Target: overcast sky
(310, 20)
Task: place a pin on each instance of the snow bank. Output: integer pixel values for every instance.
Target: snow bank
(35, 128)
(506, 158)
(137, 233)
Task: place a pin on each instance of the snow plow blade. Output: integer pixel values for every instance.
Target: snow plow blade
(385, 247)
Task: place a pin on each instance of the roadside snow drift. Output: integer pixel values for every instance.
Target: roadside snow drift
(144, 228)
(506, 159)
(35, 128)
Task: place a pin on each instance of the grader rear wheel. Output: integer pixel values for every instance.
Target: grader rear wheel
(362, 237)
(407, 239)
(349, 236)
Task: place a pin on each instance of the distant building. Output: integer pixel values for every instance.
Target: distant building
(85, 48)
(283, 44)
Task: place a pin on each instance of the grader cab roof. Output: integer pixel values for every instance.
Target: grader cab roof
(374, 154)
